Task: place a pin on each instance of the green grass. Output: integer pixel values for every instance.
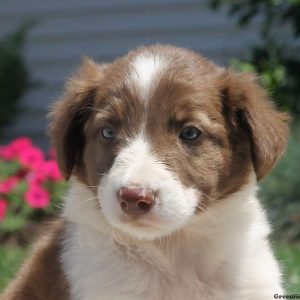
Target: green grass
(10, 261)
(289, 256)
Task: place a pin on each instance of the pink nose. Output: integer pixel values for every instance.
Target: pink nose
(135, 201)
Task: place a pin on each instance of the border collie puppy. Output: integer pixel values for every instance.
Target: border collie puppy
(163, 150)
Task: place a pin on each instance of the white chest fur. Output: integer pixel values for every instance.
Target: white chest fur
(221, 254)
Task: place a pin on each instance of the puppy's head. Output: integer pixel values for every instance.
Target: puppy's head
(163, 133)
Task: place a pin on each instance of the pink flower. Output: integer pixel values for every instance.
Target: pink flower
(3, 207)
(6, 153)
(31, 158)
(18, 145)
(36, 196)
(51, 170)
(48, 170)
(37, 176)
(7, 185)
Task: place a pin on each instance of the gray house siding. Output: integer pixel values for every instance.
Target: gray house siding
(66, 30)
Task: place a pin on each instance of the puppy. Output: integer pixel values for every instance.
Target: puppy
(163, 150)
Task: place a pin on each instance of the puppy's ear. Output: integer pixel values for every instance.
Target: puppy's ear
(266, 127)
(69, 114)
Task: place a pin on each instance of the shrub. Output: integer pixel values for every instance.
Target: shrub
(31, 185)
(14, 77)
(276, 57)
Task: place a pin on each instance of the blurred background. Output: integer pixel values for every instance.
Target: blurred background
(42, 42)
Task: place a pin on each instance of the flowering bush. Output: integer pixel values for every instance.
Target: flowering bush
(30, 185)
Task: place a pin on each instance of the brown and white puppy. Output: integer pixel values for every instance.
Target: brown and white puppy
(164, 150)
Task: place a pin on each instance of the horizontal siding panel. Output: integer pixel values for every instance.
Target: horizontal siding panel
(42, 98)
(44, 9)
(55, 53)
(97, 34)
(31, 121)
(8, 27)
(183, 18)
(83, 24)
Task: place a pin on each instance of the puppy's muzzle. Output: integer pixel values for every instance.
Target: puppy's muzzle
(135, 201)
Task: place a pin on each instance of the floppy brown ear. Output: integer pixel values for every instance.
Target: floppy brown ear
(266, 127)
(69, 114)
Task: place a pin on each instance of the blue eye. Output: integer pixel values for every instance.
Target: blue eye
(189, 133)
(108, 133)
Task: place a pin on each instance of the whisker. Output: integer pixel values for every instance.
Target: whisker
(78, 239)
(204, 209)
(209, 198)
(203, 205)
(102, 174)
(87, 200)
(92, 186)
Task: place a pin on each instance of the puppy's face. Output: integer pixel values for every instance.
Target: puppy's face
(162, 134)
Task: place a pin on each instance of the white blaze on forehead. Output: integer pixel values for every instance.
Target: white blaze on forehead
(146, 69)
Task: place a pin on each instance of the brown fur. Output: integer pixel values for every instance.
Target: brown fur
(266, 127)
(42, 277)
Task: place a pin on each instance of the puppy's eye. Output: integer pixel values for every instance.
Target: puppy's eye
(108, 133)
(189, 133)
